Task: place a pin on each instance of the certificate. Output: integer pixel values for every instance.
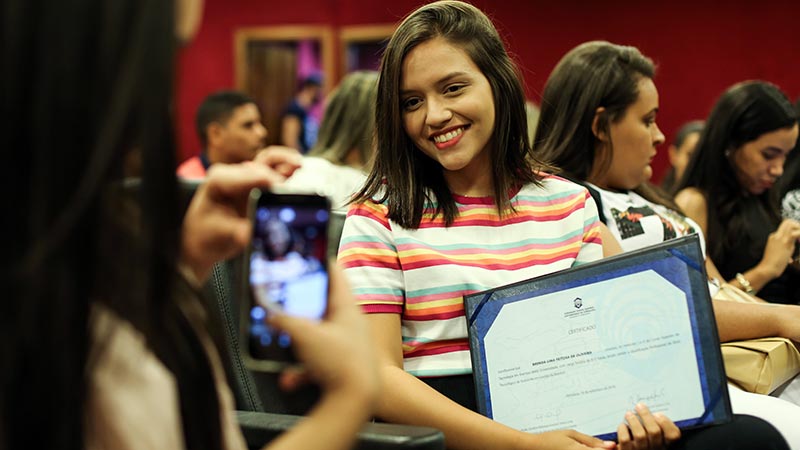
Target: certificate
(579, 348)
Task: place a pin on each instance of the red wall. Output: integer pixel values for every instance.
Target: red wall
(701, 47)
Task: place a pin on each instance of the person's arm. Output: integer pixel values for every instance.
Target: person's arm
(338, 355)
(216, 226)
(597, 241)
(611, 246)
(407, 400)
(712, 272)
(737, 321)
(693, 204)
(290, 131)
(776, 255)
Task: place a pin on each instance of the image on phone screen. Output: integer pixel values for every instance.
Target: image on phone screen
(288, 269)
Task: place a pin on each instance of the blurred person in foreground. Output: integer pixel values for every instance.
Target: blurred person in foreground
(105, 343)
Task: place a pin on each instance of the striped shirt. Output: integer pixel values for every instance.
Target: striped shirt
(423, 274)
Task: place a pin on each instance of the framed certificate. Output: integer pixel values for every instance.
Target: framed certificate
(578, 348)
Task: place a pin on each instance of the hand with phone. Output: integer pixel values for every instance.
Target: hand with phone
(216, 225)
(336, 352)
(286, 272)
(338, 355)
(328, 349)
(302, 322)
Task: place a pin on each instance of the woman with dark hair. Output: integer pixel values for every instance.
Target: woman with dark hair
(456, 203)
(728, 191)
(614, 104)
(105, 343)
(453, 181)
(680, 151)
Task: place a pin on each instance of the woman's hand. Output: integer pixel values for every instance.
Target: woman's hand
(337, 353)
(780, 247)
(646, 431)
(569, 440)
(216, 225)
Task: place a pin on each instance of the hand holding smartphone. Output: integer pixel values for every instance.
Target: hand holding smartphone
(286, 271)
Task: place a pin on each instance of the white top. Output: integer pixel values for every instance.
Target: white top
(790, 205)
(637, 222)
(326, 178)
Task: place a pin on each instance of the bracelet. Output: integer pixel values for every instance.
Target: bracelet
(744, 283)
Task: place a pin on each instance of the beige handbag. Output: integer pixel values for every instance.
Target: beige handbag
(757, 365)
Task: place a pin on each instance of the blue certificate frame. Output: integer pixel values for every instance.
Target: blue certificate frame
(669, 272)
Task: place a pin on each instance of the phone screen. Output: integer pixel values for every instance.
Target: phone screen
(287, 268)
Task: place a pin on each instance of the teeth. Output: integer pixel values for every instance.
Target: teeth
(448, 136)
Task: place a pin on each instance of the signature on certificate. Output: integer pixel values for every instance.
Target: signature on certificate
(650, 397)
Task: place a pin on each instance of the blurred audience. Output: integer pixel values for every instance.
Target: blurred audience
(298, 126)
(335, 166)
(230, 131)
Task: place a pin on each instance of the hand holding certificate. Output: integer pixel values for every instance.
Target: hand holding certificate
(580, 348)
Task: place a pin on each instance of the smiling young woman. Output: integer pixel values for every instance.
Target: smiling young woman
(457, 203)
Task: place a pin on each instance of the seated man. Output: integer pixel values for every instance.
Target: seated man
(230, 131)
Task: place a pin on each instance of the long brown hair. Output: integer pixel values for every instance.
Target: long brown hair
(402, 175)
(592, 75)
(349, 120)
(742, 113)
(85, 85)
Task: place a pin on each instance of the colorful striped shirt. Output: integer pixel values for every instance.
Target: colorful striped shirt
(423, 274)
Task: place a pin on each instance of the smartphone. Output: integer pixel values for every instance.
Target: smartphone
(285, 270)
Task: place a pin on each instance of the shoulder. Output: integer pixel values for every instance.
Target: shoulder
(694, 205)
(310, 172)
(558, 197)
(294, 108)
(561, 192)
(126, 378)
(557, 185)
(370, 210)
(690, 198)
(192, 168)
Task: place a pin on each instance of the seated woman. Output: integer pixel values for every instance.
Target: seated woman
(456, 203)
(345, 144)
(607, 142)
(728, 191)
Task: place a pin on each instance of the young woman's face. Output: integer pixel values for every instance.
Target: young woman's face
(758, 163)
(447, 107)
(632, 140)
